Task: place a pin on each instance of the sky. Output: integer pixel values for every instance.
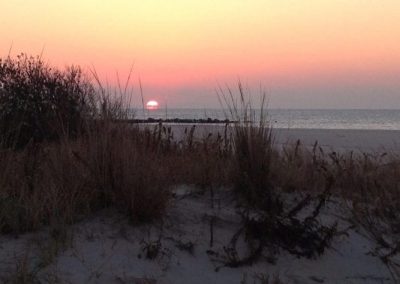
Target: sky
(304, 53)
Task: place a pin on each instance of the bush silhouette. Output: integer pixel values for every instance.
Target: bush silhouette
(39, 103)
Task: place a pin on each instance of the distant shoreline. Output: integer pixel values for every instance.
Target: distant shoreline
(217, 122)
(181, 120)
(294, 118)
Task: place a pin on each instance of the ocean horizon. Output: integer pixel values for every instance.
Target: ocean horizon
(372, 119)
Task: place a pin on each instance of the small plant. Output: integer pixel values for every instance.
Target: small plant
(23, 273)
(261, 279)
(376, 206)
(151, 249)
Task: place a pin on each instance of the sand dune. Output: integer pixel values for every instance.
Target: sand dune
(107, 249)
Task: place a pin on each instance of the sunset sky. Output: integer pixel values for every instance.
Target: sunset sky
(306, 54)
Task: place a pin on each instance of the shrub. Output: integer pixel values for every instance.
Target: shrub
(39, 103)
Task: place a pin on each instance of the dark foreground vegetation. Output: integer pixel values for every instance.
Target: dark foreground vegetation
(65, 154)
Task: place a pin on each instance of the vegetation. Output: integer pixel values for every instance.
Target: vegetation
(39, 103)
(269, 219)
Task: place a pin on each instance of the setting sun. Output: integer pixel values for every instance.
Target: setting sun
(152, 105)
(303, 51)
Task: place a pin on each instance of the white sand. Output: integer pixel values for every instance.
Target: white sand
(356, 140)
(332, 139)
(106, 249)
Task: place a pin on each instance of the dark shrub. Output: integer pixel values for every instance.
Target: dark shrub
(39, 103)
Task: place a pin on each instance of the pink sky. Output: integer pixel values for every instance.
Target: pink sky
(307, 54)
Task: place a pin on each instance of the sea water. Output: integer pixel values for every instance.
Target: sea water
(294, 118)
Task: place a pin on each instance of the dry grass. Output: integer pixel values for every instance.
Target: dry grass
(54, 183)
(252, 148)
(112, 164)
(115, 164)
(105, 164)
(270, 221)
(124, 166)
(368, 182)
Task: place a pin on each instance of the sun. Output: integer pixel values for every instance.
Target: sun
(151, 105)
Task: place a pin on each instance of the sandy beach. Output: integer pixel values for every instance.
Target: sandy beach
(375, 141)
(106, 249)
(343, 139)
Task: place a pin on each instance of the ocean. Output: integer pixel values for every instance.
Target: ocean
(295, 118)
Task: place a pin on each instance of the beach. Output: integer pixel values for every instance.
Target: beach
(343, 139)
(357, 140)
(180, 248)
(108, 249)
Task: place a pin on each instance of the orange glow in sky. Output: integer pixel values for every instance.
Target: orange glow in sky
(333, 53)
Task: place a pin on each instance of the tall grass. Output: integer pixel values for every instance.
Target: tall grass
(105, 163)
(127, 172)
(269, 219)
(253, 147)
